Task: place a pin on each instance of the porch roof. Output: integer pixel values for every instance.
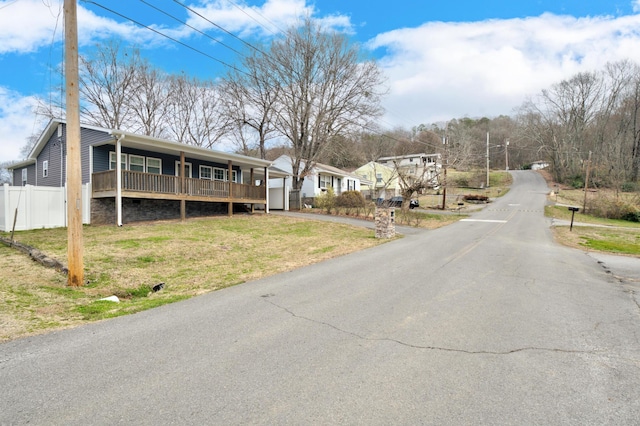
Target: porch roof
(165, 146)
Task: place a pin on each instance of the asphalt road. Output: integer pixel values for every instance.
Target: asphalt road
(486, 321)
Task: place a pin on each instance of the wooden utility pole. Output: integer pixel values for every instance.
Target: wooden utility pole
(446, 163)
(74, 165)
(586, 184)
(487, 159)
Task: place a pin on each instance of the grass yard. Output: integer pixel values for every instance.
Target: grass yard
(622, 241)
(191, 258)
(606, 235)
(460, 184)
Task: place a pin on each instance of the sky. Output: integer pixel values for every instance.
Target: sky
(441, 59)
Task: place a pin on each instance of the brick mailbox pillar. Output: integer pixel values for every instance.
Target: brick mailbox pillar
(385, 222)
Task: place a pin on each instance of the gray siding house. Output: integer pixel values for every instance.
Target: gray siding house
(155, 178)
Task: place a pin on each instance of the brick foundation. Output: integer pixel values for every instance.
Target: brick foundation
(103, 210)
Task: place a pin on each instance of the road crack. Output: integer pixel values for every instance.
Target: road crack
(428, 347)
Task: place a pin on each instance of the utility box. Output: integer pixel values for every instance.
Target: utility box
(385, 222)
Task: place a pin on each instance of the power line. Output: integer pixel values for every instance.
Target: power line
(259, 14)
(164, 35)
(190, 26)
(363, 126)
(218, 26)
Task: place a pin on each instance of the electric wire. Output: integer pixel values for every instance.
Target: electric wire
(190, 26)
(199, 51)
(163, 35)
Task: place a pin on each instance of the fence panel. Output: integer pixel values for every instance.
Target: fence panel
(295, 202)
(38, 207)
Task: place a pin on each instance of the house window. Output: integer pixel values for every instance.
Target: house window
(351, 185)
(24, 177)
(325, 181)
(154, 165)
(378, 177)
(45, 168)
(136, 163)
(112, 161)
(219, 174)
(187, 169)
(206, 172)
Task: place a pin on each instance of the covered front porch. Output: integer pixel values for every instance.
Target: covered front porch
(154, 173)
(148, 185)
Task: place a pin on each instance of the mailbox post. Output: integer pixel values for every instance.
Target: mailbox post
(573, 211)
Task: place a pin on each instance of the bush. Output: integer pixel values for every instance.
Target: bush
(326, 201)
(475, 198)
(611, 208)
(350, 199)
(632, 217)
(576, 181)
(629, 187)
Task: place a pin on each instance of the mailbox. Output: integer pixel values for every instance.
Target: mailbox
(573, 211)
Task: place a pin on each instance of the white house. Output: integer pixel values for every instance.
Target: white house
(415, 166)
(315, 183)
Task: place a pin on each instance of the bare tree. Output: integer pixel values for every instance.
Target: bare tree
(107, 81)
(251, 98)
(149, 104)
(194, 112)
(326, 90)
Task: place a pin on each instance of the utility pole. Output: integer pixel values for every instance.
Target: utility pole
(487, 159)
(446, 163)
(75, 276)
(586, 184)
(506, 155)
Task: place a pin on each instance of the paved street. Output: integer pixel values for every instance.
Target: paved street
(486, 321)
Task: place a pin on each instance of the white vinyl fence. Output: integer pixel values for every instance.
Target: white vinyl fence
(38, 207)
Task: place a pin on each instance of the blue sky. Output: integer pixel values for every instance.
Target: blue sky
(442, 59)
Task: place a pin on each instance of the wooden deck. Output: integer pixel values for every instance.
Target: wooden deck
(167, 187)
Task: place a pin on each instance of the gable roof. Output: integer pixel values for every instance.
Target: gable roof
(325, 168)
(148, 143)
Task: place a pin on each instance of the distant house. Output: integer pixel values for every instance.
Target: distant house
(154, 178)
(539, 165)
(415, 166)
(381, 181)
(317, 181)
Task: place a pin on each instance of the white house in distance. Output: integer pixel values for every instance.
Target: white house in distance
(415, 166)
(315, 183)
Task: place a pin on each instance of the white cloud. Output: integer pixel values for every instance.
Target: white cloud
(18, 123)
(28, 25)
(636, 5)
(271, 18)
(441, 70)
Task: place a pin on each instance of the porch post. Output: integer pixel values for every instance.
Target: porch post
(285, 197)
(119, 180)
(230, 169)
(183, 201)
(266, 189)
(252, 184)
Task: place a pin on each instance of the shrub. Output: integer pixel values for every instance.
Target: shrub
(576, 181)
(476, 198)
(326, 201)
(350, 199)
(629, 187)
(612, 208)
(632, 216)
